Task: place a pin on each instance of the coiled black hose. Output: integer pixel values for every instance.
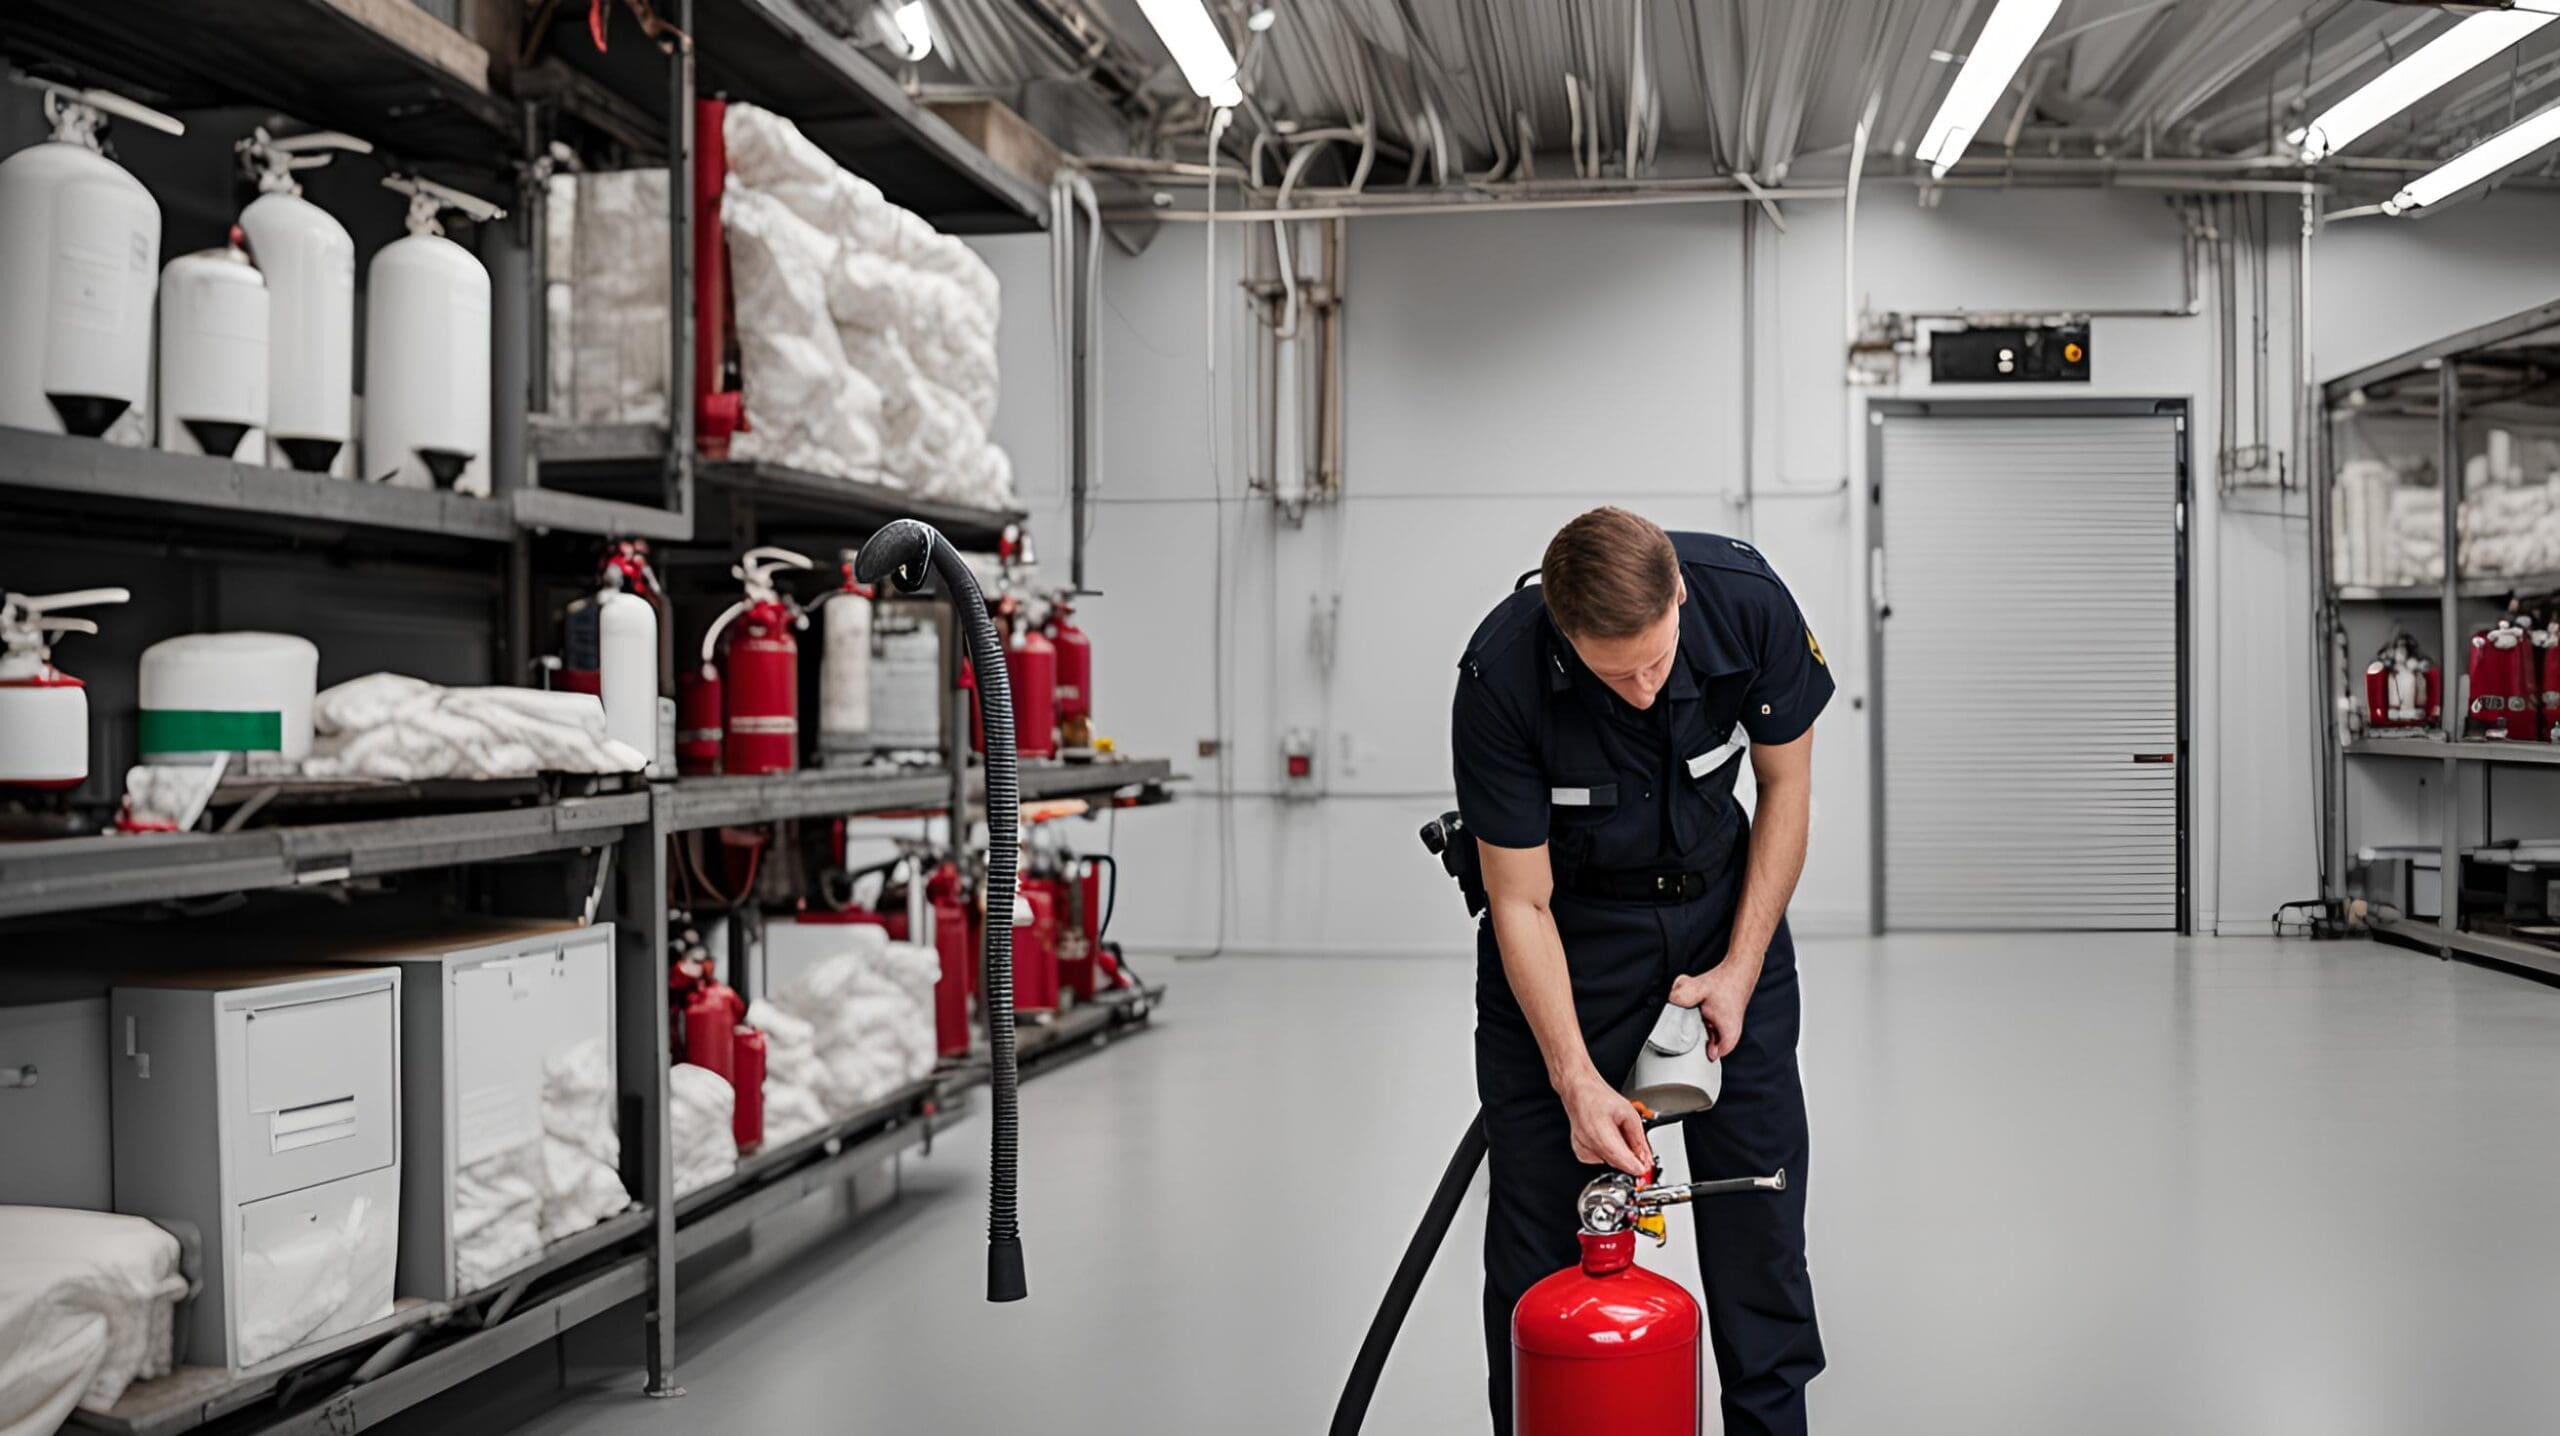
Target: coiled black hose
(905, 553)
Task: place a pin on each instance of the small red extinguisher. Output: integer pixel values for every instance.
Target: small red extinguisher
(2502, 684)
(753, 678)
(1075, 673)
(2403, 688)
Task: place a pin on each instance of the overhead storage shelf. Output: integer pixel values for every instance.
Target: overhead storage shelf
(385, 70)
(2492, 586)
(113, 481)
(789, 499)
(773, 53)
(69, 874)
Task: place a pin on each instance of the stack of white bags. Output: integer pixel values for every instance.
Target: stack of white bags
(867, 338)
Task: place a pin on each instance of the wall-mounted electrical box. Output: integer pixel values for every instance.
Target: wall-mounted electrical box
(1298, 763)
(2029, 354)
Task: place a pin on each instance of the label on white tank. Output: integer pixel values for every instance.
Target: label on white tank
(91, 249)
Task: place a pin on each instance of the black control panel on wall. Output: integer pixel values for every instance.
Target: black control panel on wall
(2042, 354)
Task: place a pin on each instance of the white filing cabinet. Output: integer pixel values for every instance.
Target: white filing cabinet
(53, 1104)
(485, 1005)
(262, 1105)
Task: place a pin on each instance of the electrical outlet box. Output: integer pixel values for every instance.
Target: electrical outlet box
(1298, 763)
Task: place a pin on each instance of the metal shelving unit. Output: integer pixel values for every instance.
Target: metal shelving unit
(2424, 415)
(439, 98)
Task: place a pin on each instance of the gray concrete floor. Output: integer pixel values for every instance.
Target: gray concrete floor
(2089, 1184)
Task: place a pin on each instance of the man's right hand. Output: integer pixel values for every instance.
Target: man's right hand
(1607, 1128)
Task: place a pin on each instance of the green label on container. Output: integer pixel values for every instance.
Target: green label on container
(202, 730)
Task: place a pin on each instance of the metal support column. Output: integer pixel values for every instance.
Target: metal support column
(641, 1046)
(2457, 696)
(680, 310)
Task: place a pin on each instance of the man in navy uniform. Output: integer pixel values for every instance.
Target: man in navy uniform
(1601, 718)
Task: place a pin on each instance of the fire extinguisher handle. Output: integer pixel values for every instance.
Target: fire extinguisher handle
(711, 635)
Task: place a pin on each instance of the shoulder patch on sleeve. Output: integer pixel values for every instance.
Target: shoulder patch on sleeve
(1816, 645)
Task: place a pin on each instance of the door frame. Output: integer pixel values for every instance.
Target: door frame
(1880, 410)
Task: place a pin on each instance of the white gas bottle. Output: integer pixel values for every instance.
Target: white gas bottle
(44, 712)
(79, 261)
(627, 644)
(426, 350)
(309, 261)
(909, 686)
(213, 355)
(844, 667)
(204, 694)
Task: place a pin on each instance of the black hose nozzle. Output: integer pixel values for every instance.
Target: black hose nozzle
(905, 553)
(902, 553)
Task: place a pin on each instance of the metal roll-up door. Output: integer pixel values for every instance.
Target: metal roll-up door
(2030, 677)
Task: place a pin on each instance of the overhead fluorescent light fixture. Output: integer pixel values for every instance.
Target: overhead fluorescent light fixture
(915, 31)
(1998, 51)
(1186, 29)
(2519, 141)
(2436, 64)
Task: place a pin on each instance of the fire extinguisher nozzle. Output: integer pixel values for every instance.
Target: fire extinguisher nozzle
(1005, 1280)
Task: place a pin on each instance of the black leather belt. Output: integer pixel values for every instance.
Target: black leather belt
(1667, 886)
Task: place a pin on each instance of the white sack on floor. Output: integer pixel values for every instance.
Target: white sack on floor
(325, 1280)
(87, 1308)
(702, 1138)
(807, 406)
(871, 1008)
(914, 310)
(618, 316)
(581, 1157)
(497, 1215)
(792, 1074)
(385, 725)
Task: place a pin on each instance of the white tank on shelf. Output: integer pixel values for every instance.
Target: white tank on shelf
(44, 712)
(426, 350)
(844, 670)
(309, 261)
(213, 354)
(79, 261)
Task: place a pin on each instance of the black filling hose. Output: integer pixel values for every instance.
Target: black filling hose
(905, 553)
(1353, 1409)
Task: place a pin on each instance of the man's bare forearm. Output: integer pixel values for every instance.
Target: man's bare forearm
(1533, 960)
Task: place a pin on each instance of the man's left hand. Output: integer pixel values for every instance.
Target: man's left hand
(1721, 994)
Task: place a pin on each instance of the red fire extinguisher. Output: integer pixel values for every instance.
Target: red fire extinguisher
(2403, 688)
(1077, 949)
(1032, 663)
(1035, 946)
(2502, 683)
(746, 1079)
(1075, 674)
(755, 676)
(2545, 665)
(1606, 1345)
(951, 942)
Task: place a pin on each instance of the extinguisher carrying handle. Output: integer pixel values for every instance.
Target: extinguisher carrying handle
(711, 635)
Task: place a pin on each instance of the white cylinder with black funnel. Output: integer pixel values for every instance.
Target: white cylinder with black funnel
(79, 263)
(213, 355)
(426, 350)
(309, 261)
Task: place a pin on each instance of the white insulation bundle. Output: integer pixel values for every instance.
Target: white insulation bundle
(868, 1015)
(867, 338)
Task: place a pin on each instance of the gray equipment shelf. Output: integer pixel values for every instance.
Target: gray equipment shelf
(786, 1188)
(2490, 586)
(66, 471)
(1055, 1041)
(692, 803)
(537, 510)
(2464, 943)
(385, 70)
(2471, 751)
(68, 874)
(192, 1396)
(908, 1103)
(791, 499)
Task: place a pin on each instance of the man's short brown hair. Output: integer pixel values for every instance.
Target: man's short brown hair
(1609, 574)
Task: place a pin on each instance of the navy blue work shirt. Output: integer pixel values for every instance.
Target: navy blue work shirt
(1545, 753)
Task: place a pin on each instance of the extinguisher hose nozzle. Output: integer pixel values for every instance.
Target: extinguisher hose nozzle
(902, 552)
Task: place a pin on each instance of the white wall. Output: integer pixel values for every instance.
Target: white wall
(1506, 372)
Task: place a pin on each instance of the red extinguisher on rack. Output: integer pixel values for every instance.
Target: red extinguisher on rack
(1075, 673)
(2403, 688)
(1032, 663)
(752, 680)
(952, 944)
(2502, 683)
(2544, 670)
